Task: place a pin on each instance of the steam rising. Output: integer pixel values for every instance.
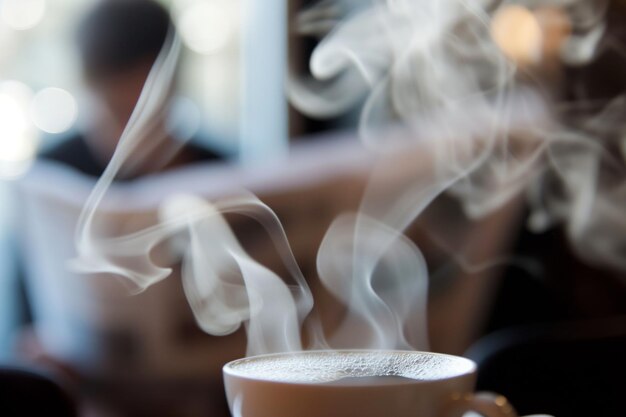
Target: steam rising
(226, 288)
(477, 77)
(381, 275)
(451, 108)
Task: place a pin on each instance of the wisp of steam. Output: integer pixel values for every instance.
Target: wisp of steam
(434, 77)
(480, 78)
(226, 288)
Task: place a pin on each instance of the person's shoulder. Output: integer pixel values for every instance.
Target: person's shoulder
(74, 152)
(197, 152)
(66, 148)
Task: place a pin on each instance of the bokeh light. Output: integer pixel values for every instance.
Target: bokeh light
(54, 110)
(22, 14)
(517, 32)
(206, 26)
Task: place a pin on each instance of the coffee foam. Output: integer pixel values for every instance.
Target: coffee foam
(322, 366)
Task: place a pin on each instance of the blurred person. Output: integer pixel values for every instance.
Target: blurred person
(118, 42)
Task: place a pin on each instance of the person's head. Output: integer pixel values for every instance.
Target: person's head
(118, 41)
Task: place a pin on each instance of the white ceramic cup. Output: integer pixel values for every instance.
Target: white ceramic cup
(364, 383)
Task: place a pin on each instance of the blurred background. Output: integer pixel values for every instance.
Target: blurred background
(42, 92)
(230, 98)
(487, 273)
(230, 95)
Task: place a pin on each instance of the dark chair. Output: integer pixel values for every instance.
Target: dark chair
(26, 392)
(564, 369)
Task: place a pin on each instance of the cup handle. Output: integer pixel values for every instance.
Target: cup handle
(486, 404)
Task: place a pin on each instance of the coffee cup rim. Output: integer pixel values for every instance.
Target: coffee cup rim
(229, 368)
